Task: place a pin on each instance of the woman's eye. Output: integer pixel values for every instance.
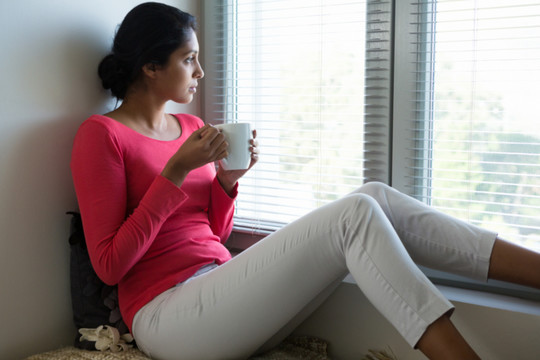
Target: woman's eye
(190, 59)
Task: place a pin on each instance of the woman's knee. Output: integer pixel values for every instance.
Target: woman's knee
(374, 188)
(356, 205)
(365, 222)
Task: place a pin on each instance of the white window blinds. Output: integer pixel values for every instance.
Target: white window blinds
(313, 77)
(476, 125)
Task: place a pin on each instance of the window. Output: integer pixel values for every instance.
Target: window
(465, 138)
(437, 98)
(473, 130)
(310, 76)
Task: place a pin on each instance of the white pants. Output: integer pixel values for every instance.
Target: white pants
(376, 233)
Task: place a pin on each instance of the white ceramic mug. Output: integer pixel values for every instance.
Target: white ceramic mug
(238, 136)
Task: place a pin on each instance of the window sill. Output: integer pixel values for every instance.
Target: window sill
(482, 298)
(240, 241)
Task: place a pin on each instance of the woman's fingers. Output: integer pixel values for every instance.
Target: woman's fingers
(201, 132)
(254, 148)
(212, 143)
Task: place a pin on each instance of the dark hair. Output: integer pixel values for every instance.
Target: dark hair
(149, 33)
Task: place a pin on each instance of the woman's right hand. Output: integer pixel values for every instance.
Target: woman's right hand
(203, 146)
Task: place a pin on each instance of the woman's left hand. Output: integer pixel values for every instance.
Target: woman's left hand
(229, 178)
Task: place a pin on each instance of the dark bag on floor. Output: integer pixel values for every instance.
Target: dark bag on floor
(94, 302)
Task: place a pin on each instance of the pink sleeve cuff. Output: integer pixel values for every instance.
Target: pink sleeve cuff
(220, 195)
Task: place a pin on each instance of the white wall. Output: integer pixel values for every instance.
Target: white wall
(48, 86)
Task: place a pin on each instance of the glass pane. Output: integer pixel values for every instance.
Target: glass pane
(299, 80)
(485, 127)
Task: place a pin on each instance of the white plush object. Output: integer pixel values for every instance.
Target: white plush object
(107, 338)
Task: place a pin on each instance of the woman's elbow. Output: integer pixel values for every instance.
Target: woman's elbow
(108, 278)
(107, 273)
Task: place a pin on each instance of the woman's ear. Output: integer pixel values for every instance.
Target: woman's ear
(150, 70)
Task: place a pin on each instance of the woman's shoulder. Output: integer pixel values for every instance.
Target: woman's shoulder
(98, 129)
(98, 121)
(101, 124)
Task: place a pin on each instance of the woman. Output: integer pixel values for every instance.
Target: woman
(157, 213)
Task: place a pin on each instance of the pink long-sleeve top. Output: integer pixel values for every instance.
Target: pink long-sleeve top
(143, 232)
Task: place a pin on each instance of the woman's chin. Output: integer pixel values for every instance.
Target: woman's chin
(184, 99)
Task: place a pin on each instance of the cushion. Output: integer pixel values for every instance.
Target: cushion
(72, 353)
(94, 303)
(297, 347)
(293, 348)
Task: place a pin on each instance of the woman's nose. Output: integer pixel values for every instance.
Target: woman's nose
(199, 73)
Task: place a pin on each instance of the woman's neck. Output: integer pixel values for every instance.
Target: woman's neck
(142, 108)
(146, 117)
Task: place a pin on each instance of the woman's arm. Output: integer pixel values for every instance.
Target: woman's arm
(115, 240)
(221, 209)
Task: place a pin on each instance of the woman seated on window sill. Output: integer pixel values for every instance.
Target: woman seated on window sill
(157, 213)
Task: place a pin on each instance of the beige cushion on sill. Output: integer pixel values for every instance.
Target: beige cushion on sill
(72, 353)
(294, 348)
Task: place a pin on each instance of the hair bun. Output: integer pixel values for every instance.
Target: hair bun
(112, 76)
